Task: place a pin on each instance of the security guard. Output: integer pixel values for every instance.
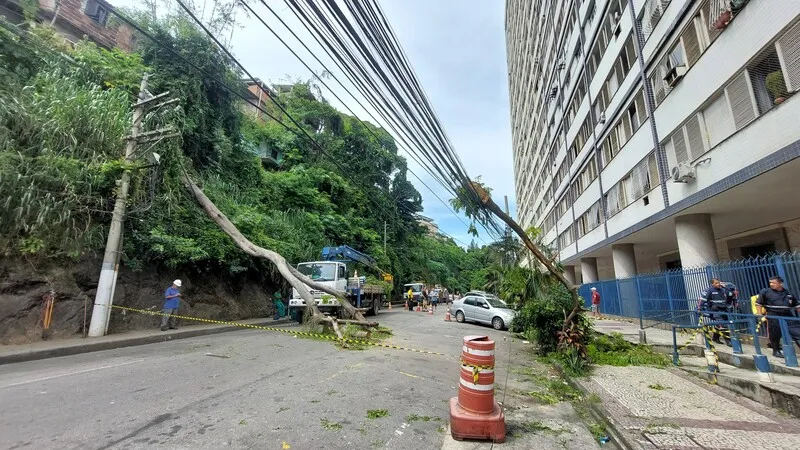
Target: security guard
(713, 303)
(776, 301)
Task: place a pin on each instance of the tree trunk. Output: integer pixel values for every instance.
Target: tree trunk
(573, 290)
(295, 278)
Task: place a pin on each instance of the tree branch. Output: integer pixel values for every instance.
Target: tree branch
(296, 279)
(487, 201)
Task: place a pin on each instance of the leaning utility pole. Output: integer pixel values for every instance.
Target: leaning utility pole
(108, 273)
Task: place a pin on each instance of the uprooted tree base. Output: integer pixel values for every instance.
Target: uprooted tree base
(296, 279)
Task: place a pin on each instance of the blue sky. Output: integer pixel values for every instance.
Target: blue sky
(457, 49)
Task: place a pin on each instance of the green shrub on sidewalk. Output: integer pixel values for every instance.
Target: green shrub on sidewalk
(614, 350)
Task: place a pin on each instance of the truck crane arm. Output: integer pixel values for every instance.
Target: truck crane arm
(349, 253)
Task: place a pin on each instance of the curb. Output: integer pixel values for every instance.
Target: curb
(599, 414)
(95, 346)
(767, 394)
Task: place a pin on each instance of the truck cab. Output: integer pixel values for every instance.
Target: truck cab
(329, 273)
(335, 274)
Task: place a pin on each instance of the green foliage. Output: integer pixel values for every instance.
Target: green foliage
(111, 68)
(777, 85)
(212, 117)
(614, 350)
(377, 413)
(541, 318)
(57, 135)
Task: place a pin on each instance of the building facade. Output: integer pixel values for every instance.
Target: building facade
(76, 19)
(656, 134)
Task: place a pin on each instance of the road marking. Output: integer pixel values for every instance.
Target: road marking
(109, 366)
(408, 374)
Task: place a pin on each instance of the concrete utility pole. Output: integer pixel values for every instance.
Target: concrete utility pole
(384, 237)
(108, 273)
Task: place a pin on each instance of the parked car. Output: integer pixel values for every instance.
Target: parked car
(484, 308)
(485, 294)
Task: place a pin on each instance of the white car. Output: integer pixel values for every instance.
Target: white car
(482, 308)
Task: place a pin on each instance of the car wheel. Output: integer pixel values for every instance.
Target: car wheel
(376, 304)
(459, 317)
(497, 323)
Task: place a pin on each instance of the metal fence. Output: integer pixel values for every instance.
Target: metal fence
(668, 297)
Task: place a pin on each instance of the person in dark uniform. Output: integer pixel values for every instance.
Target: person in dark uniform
(714, 302)
(776, 301)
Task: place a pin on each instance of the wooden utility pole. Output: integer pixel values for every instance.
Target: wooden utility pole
(108, 272)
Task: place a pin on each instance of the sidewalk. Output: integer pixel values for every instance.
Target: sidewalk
(651, 408)
(65, 347)
(661, 340)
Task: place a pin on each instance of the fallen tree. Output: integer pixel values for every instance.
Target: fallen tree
(296, 279)
(464, 201)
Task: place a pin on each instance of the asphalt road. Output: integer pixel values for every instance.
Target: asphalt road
(268, 390)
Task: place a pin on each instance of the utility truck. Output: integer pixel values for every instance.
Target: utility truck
(332, 270)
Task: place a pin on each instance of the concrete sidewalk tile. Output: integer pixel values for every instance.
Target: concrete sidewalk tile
(667, 408)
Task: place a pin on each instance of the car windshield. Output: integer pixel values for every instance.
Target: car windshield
(318, 271)
(413, 287)
(496, 302)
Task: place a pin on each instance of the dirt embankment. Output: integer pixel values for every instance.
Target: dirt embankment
(207, 295)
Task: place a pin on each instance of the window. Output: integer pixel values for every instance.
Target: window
(653, 10)
(589, 220)
(788, 47)
(741, 100)
(718, 121)
(638, 182)
(565, 238)
(691, 43)
(97, 10)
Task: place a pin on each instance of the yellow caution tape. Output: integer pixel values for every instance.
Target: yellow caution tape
(476, 369)
(282, 330)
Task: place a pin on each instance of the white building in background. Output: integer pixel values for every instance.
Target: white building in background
(649, 135)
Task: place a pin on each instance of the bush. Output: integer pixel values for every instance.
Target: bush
(614, 350)
(541, 319)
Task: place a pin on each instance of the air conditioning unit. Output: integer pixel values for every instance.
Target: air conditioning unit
(616, 22)
(553, 92)
(560, 66)
(683, 173)
(602, 118)
(674, 75)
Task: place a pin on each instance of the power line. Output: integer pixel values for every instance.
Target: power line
(139, 29)
(397, 79)
(361, 79)
(260, 19)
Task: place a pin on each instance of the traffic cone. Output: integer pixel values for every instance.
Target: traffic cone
(406, 307)
(474, 413)
(447, 315)
(430, 310)
(390, 305)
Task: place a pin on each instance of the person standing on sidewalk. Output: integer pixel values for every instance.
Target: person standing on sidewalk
(595, 303)
(280, 308)
(172, 299)
(713, 303)
(775, 301)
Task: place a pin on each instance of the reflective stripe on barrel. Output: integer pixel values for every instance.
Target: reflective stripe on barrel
(476, 384)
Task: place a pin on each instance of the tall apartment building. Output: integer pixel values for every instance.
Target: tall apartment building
(655, 134)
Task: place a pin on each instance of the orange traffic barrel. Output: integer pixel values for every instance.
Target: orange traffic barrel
(476, 384)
